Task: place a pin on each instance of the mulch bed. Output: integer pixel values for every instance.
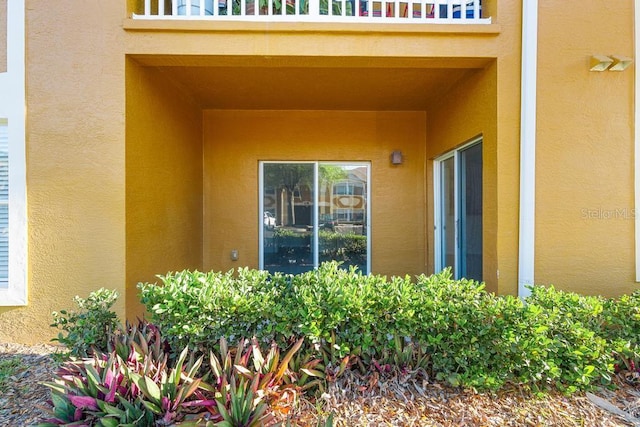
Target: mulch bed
(371, 401)
(24, 395)
(395, 402)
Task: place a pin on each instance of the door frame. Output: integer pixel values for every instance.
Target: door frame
(437, 205)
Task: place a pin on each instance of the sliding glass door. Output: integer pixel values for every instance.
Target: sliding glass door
(458, 211)
(470, 190)
(312, 212)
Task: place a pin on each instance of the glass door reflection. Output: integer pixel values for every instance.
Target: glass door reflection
(342, 213)
(314, 212)
(288, 217)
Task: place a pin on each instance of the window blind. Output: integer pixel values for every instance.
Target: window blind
(4, 205)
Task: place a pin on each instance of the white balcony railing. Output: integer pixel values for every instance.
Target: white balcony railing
(373, 11)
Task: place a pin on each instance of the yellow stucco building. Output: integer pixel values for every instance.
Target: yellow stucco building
(144, 136)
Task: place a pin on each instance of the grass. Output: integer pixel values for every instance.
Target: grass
(8, 368)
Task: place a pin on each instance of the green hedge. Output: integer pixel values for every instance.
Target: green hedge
(470, 337)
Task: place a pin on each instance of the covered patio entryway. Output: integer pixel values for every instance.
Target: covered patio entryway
(200, 130)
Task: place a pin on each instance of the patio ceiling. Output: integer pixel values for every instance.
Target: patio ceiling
(314, 83)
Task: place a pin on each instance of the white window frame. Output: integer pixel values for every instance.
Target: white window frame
(12, 114)
(316, 201)
(437, 204)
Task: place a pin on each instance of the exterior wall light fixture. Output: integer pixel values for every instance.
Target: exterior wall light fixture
(611, 63)
(620, 63)
(600, 63)
(396, 157)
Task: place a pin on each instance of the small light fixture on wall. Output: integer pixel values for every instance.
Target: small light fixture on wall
(600, 63)
(620, 63)
(396, 157)
(611, 63)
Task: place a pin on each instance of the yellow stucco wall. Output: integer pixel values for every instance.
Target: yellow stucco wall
(470, 111)
(235, 142)
(75, 162)
(507, 155)
(116, 183)
(163, 180)
(3, 36)
(487, 103)
(585, 155)
(230, 44)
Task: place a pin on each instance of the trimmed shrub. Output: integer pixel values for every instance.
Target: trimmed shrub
(87, 330)
(577, 354)
(621, 319)
(194, 308)
(452, 328)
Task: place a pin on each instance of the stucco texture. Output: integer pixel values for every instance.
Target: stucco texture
(487, 104)
(144, 139)
(584, 161)
(470, 112)
(163, 180)
(235, 142)
(139, 164)
(75, 162)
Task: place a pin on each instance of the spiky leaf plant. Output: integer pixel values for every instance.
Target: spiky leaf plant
(109, 390)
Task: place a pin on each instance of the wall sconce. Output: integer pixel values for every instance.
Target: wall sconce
(620, 63)
(611, 63)
(396, 157)
(600, 63)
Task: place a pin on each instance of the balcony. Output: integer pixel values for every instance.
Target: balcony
(347, 11)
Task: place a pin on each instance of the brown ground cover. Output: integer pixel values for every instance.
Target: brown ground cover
(407, 400)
